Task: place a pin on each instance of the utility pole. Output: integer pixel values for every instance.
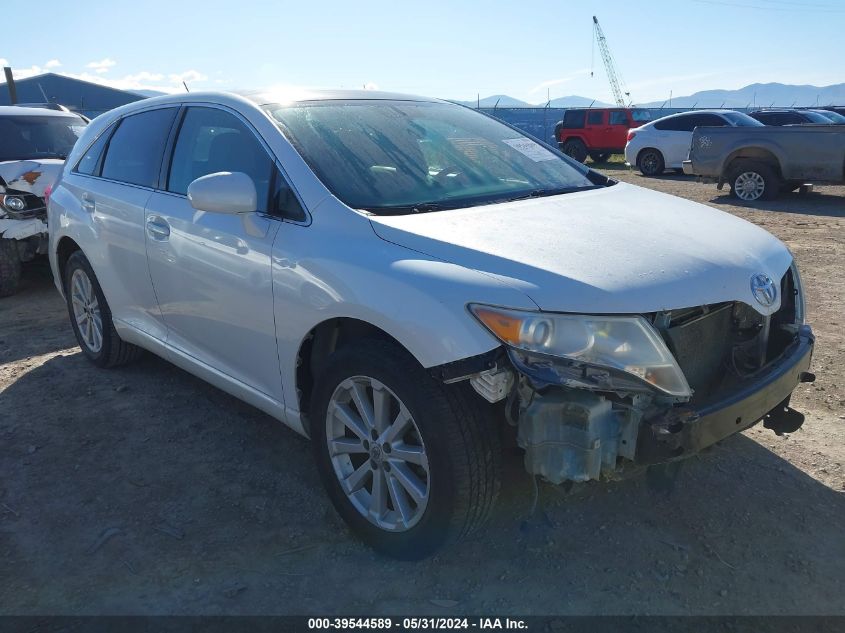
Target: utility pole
(10, 84)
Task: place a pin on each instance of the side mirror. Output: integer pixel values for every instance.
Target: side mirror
(223, 192)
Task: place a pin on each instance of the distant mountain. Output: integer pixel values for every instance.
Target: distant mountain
(760, 95)
(574, 101)
(501, 101)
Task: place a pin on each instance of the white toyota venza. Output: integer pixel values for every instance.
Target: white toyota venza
(403, 279)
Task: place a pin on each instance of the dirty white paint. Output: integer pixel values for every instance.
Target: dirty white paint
(621, 249)
(31, 176)
(22, 229)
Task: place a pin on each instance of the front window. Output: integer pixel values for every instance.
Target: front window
(406, 156)
(26, 137)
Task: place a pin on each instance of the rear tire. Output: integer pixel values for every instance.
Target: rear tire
(90, 316)
(10, 267)
(752, 180)
(650, 162)
(575, 149)
(453, 437)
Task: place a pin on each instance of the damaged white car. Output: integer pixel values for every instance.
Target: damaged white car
(400, 279)
(34, 143)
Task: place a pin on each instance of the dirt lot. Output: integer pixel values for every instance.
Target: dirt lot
(145, 491)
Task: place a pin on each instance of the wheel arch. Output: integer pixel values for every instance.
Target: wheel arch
(66, 247)
(649, 148)
(760, 154)
(322, 341)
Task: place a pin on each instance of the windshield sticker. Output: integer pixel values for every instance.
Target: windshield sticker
(529, 148)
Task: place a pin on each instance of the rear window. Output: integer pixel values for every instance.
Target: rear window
(641, 116)
(617, 117)
(26, 137)
(595, 118)
(573, 119)
(680, 123)
(135, 150)
(740, 119)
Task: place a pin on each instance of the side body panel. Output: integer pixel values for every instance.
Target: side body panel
(211, 276)
(106, 219)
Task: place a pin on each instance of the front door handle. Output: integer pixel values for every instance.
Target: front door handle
(158, 228)
(88, 203)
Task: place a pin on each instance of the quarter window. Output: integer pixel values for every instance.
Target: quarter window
(617, 117)
(574, 119)
(211, 141)
(135, 150)
(89, 164)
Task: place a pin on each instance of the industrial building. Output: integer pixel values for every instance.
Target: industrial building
(80, 96)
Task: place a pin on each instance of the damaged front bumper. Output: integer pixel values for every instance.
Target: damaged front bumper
(683, 431)
(577, 431)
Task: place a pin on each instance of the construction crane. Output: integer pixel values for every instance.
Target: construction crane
(598, 34)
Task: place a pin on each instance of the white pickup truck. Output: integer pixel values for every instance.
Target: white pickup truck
(33, 145)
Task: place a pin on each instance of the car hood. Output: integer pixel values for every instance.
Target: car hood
(32, 176)
(620, 249)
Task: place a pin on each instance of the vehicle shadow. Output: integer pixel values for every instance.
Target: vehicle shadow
(816, 203)
(36, 306)
(144, 490)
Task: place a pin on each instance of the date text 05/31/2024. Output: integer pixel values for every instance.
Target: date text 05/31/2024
(430, 623)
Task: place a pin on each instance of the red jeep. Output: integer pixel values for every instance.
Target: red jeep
(597, 132)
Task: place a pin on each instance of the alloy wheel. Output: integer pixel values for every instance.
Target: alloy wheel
(86, 310)
(749, 186)
(377, 454)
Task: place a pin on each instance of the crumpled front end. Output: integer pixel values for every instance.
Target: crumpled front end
(23, 210)
(578, 422)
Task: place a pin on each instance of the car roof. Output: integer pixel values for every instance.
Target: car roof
(778, 110)
(32, 111)
(271, 96)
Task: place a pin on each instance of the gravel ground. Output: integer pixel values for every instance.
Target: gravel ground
(145, 491)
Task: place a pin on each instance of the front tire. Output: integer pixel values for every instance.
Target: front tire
(650, 162)
(409, 463)
(752, 180)
(90, 316)
(10, 267)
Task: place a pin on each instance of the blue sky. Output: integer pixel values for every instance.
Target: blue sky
(446, 49)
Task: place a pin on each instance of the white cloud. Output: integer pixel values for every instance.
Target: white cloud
(101, 66)
(53, 63)
(143, 80)
(189, 76)
(4, 62)
(23, 73)
(370, 86)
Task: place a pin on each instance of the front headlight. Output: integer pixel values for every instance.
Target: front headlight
(14, 203)
(625, 343)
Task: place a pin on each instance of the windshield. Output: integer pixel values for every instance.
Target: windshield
(740, 119)
(815, 117)
(23, 137)
(407, 156)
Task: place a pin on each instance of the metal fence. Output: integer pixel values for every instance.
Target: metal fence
(540, 122)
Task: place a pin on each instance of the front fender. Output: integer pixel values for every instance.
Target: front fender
(339, 268)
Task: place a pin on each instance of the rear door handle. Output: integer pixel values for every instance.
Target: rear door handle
(88, 203)
(157, 228)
